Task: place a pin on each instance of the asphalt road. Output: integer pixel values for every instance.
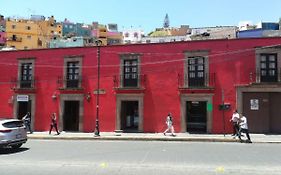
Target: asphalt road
(139, 157)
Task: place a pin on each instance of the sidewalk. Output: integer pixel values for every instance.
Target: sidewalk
(256, 138)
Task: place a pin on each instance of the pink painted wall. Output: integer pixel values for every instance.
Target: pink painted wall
(231, 60)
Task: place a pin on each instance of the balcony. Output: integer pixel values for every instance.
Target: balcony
(64, 83)
(206, 82)
(258, 77)
(23, 85)
(14, 39)
(136, 84)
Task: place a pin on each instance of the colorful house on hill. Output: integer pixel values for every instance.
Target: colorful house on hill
(199, 82)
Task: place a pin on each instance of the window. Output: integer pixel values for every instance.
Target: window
(130, 73)
(268, 68)
(28, 37)
(136, 35)
(26, 75)
(27, 27)
(196, 71)
(39, 42)
(72, 76)
(13, 26)
(71, 73)
(14, 37)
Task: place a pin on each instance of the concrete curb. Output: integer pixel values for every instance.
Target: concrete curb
(134, 138)
(257, 138)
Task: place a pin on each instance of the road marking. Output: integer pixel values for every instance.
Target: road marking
(103, 165)
(220, 169)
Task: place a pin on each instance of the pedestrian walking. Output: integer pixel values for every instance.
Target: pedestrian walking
(170, 127)
(244, 128)
(235, 123)
(27, 122)
(54, 123)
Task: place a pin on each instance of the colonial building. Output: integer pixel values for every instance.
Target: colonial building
(199, 82)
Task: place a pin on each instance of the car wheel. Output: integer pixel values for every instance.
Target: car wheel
(16, 146)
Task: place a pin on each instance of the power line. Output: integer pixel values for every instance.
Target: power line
(157, 63)
(149, 54)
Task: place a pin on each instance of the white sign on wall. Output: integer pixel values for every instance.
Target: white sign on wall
(254, 103)
(22, 97)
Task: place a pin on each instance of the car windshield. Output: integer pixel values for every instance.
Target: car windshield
(13, 124)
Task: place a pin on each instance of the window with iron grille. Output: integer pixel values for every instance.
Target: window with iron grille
(72, 74)
(196, 71)
(130, 73)
(268, 68)
(26, 75)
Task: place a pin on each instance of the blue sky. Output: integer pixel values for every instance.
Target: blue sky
(148, 14)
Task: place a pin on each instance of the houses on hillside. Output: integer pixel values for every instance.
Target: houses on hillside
(40, 32)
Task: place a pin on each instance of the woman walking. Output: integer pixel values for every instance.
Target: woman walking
(54, 123)
(170, 127)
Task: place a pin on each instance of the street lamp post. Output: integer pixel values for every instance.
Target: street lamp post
(97, 129)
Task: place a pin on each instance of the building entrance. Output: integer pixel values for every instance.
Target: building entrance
(71, 116)
(196, 116)
(263, 110)
(129, 116)
(23, 108)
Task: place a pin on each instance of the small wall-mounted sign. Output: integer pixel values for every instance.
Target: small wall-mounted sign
(254, 104)
(22, 98)
(225, 106)
(209, 107)
(101, 91)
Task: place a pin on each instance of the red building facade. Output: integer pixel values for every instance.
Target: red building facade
(140, 84)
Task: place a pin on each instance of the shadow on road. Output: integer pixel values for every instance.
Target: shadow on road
(4, 151)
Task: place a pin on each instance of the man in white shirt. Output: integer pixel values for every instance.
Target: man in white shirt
(244, 128)
(235, 120)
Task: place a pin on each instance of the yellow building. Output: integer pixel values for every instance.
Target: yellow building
(109, 34)
(102, 34)
(33, 33)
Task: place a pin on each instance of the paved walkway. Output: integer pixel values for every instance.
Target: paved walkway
(256, 138)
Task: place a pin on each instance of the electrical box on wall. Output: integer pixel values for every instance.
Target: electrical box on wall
(225, 106)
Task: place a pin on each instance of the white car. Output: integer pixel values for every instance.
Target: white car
(12, 133)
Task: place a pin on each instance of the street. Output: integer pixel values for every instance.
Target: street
(140, 157)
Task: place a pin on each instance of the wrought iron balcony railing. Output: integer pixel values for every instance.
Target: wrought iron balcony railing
(208, 81)
(15, 39)
(134, 81)
(64, 82)
(22, 83)
(265, 76)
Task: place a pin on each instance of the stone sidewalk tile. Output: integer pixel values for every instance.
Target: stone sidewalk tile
(256, 138)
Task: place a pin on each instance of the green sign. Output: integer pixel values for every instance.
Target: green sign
(209, 107)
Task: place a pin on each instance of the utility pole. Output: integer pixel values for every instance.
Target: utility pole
(223, 108)
(97, 129)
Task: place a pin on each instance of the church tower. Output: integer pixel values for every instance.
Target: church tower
(166, 22)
